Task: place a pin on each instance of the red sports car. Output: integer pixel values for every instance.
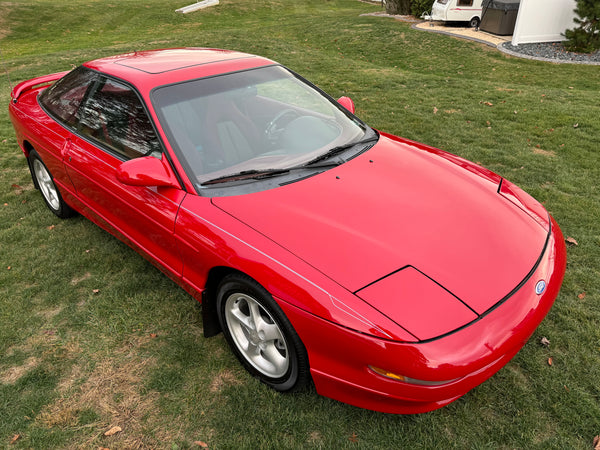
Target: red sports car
(393, 275)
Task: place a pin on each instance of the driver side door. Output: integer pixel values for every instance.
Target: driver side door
(113, 127)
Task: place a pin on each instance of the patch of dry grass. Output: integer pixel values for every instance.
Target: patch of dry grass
(76, 280)
(4, 11)
(11, 375)
(224, 379)
(112, 389)
(541, 151)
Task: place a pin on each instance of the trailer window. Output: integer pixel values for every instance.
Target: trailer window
(465, 3)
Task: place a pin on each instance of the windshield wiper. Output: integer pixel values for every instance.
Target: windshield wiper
(266, 173)
(246, 175)
(315, 163)
(339, 149)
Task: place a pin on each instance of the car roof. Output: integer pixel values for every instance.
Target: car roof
(151, 68)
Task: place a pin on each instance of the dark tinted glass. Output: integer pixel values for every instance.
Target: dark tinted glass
(63, 98)
(114, 115)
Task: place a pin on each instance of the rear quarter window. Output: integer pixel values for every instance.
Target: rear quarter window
(63, 98)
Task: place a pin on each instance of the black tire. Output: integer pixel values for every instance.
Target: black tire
(43, 180)
(260, 334)
(474, 22)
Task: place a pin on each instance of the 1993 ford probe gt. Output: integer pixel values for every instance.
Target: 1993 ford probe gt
(393, 275)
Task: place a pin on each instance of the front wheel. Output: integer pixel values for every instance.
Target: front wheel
(474, 22)
(45, 183)
(260, 334)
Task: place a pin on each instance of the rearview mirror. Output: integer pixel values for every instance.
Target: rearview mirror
(347, 103)
(147, 171)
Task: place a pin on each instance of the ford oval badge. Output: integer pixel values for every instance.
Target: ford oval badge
(540, 287)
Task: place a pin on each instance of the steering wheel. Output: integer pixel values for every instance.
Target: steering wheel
(276, 126)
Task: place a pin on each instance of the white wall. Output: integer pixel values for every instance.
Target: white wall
(543, 20)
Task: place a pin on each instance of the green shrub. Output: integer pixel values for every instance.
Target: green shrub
(586, 37)
(418, 7)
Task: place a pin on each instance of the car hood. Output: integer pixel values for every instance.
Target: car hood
(402, 205)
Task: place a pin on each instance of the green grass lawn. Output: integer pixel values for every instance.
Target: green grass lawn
(92, 336)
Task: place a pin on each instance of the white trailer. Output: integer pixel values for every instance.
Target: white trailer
(457, 11)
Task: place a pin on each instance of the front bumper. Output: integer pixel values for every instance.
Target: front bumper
(339, 357)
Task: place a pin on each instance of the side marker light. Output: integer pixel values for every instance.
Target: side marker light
(398, 377)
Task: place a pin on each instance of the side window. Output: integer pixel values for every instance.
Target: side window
(63, 98)
(465, 3)
(114, 115)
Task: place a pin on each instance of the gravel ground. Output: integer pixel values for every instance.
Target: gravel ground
(552, 51)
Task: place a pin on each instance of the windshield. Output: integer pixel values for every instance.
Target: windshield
(253, 121)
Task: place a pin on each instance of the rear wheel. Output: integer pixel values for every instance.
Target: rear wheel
(474, 22)
(260, 334)
(44, 181)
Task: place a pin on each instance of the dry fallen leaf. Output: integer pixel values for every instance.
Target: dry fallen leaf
(571, 241)
(201, 444)
(153, 335)
(581, 296)
(435, 110)
(550, 361)
(15, 438)
(353, 438)
(596, 442)
(545, 342)
(113, 431)
(95, 291)
(488, 103)
(576, 125)
(51, 227)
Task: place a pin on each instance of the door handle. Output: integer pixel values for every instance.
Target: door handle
(65, 149)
